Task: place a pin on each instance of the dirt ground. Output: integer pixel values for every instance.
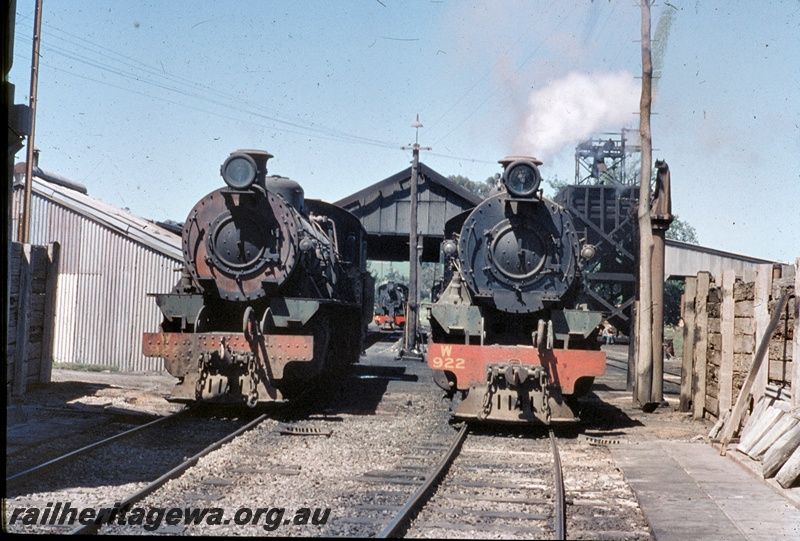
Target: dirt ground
(609, 411)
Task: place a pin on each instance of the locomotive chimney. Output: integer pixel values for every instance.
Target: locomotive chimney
(260, 157)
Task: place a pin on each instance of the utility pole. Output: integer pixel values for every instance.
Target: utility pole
(24, 234)
(644, 381)
(411, 347)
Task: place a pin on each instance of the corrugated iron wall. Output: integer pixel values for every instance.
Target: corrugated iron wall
(102, 307)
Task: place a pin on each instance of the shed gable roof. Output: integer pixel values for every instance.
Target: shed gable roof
(384, 209)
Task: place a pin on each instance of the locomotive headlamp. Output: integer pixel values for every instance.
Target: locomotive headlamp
(588, 251)
(449, 248)
(239, 171)
(522, 179)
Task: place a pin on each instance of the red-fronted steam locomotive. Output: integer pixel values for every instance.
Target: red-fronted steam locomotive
(510, 334)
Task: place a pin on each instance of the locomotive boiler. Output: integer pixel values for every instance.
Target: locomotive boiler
(510, 334)
(274, 291)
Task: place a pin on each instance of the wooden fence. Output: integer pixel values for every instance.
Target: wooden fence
(741, 363)
(32, 290)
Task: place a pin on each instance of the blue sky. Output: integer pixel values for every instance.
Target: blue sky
(142, 101)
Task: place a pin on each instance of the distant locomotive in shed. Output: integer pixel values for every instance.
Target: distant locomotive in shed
(274, 291)
(390, 306)
(510, 332)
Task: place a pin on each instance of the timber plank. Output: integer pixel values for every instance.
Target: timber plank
(788, 474)
(781, 426)
(759, 408)
(763, 286)
(781, 451)
(687, 358)
(726, 330)
(744, 394)
(700, 344)
(763, 424)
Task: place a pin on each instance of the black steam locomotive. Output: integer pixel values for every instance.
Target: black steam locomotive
(274, 291)
(390, 308)
(510, 332)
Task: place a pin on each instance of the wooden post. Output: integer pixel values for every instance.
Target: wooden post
(726, 330)
(643, 387)
(763, 286)
(763, 351)
(796, 339)
(700, 344)
(23, 321)
(687, 359)
(633, 349)
(50, 295)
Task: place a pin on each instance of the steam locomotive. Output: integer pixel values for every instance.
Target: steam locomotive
(390, 308)
(510, 332)
(273, 294)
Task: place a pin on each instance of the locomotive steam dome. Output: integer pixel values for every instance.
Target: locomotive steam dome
(517, 248)
(287, 188)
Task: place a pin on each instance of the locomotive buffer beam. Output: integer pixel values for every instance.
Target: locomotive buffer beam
(224, 366)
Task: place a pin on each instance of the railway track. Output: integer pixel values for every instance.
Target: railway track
(383, 432)
(175, 472)
(480, 485)
(39, 470)
(124, 467)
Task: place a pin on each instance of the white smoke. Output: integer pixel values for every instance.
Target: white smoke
(569, 110)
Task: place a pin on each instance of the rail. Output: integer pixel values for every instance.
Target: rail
(420, 497)
(172, 474)
(63, 459)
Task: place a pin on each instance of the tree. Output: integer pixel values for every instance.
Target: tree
(481, 188)
(682, 231)
(673, 289)
(556, 184)
(673, 293)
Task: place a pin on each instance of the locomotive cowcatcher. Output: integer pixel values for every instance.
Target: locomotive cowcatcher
(509, 331)
(274, 291)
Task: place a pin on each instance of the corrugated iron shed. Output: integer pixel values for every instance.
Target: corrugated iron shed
(110, 261)
(385, 209)
(683, 259)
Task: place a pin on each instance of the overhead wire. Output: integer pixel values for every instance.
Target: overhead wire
(149, 76)
(145, 74)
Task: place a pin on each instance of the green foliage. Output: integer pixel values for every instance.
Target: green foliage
(682, 231)
(556, 184)
(673, 290)
(429, 272)
(484, 189)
